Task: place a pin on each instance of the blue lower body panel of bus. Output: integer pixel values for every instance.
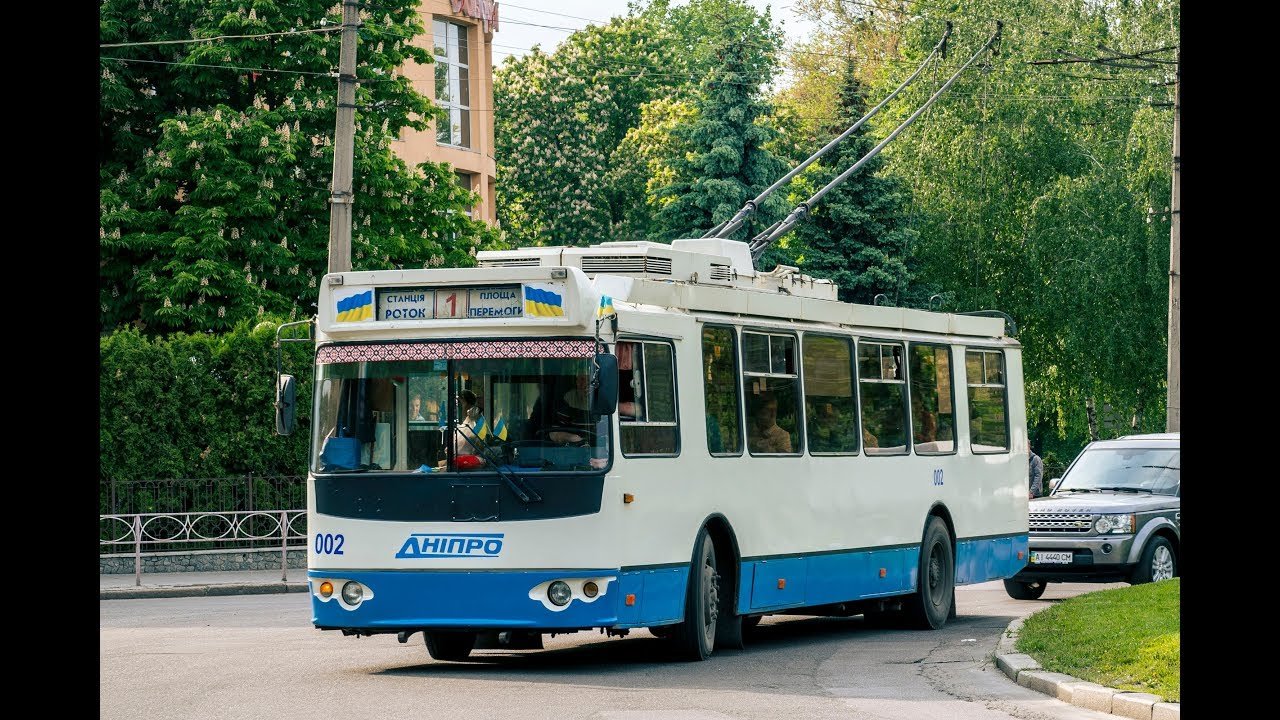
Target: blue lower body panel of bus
(637, 596)
(395, 600)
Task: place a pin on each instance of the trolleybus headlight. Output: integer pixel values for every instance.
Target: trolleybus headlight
(352, 592)
(326, 589)
(559, 593)
(590, 589)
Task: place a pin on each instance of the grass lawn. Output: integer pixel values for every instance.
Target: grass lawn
(1126, 638)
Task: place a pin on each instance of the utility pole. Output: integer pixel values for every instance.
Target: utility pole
(341, 198)
(1173, 421)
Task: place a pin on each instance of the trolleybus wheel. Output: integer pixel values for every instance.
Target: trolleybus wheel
(696, 636)
(444, 645)
(930, 606)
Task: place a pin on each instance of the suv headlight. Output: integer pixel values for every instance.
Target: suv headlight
(1114, 524)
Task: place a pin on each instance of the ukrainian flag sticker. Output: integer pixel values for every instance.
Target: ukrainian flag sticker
(354, 306)
(544, 300)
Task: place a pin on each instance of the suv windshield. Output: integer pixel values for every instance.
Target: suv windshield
(1153, 470)
(457, 415)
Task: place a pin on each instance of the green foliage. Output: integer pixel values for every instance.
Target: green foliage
(563, 116)
(856, 235)
(726, 163)
(1037, 189)
(214, 181)
(198, 405)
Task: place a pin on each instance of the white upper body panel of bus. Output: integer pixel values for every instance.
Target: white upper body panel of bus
(694, 277)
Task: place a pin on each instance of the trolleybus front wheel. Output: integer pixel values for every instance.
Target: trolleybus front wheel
(444, 645)
(696, 637)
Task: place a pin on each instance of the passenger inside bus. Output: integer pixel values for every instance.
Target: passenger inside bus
(469, 412)
(765, 436)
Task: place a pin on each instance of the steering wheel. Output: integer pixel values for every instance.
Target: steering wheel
(588, 436)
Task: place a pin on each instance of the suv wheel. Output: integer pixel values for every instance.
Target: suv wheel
(1158, 562)
(1025, 590)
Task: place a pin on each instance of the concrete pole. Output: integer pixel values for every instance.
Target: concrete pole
(1174, 419)
(341, 199)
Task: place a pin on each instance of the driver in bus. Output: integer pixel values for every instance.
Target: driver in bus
(573, 411)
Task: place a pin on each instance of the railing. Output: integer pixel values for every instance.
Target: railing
(219, 494)
(168, 530)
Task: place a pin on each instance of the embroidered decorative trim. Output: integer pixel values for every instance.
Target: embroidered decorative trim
(386, 352)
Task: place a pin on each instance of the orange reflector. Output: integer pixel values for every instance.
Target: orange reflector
(628, 497)
(631, 600)
(1019, 554)
(326, 588)
(882, 572)
(782, 583)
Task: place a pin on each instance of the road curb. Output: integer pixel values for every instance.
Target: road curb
(201, 590)
(1026, 671)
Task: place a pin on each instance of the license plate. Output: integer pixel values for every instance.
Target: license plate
(1051, 558)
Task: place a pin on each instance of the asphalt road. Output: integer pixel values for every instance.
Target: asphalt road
(258, 656)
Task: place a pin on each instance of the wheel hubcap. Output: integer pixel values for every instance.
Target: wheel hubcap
(711, 600)
(1162, 564)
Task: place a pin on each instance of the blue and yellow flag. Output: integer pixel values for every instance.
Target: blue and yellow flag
(606, 307)
(540, 302)
(355, 308)
(482, 428)
(500, 429)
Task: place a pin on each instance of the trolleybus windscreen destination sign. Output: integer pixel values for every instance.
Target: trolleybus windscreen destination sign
(449, 303)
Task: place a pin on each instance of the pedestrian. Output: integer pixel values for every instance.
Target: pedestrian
(1035, 472)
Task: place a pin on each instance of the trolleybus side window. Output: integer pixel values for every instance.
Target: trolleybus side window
(770, 382)
(647, 399)
(720, 375)
(882, 382)
(830, 400)
(988, 418)
(933, 420)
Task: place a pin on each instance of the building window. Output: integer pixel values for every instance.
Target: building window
(464, 182)
(453, 83)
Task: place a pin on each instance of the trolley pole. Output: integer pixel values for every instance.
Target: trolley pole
(341, 198)
(1173, 421)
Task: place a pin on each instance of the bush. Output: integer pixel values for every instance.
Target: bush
(198, 405)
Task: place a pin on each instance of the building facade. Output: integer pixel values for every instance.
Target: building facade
(460, 38)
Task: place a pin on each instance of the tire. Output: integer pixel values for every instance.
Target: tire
(695, 638)
(929, 607)
(452, 646)
(1025, 590)
(1158, 562)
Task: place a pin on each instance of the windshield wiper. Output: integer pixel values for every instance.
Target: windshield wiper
(1161, 467)
(1077, 490)
(1126, 489)
(522, 491)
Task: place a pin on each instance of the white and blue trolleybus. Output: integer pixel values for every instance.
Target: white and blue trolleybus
(639, 435)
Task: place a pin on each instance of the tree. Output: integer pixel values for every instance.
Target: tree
(726, 163)
(215, 159)
(856, 235)
(563, 116)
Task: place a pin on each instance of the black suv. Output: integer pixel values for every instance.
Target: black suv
(1113, 516)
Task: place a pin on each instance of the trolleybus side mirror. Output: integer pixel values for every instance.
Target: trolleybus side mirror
(604, 389)
(284, 405)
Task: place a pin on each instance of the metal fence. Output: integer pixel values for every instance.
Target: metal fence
(155, 532)
(240, 493)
